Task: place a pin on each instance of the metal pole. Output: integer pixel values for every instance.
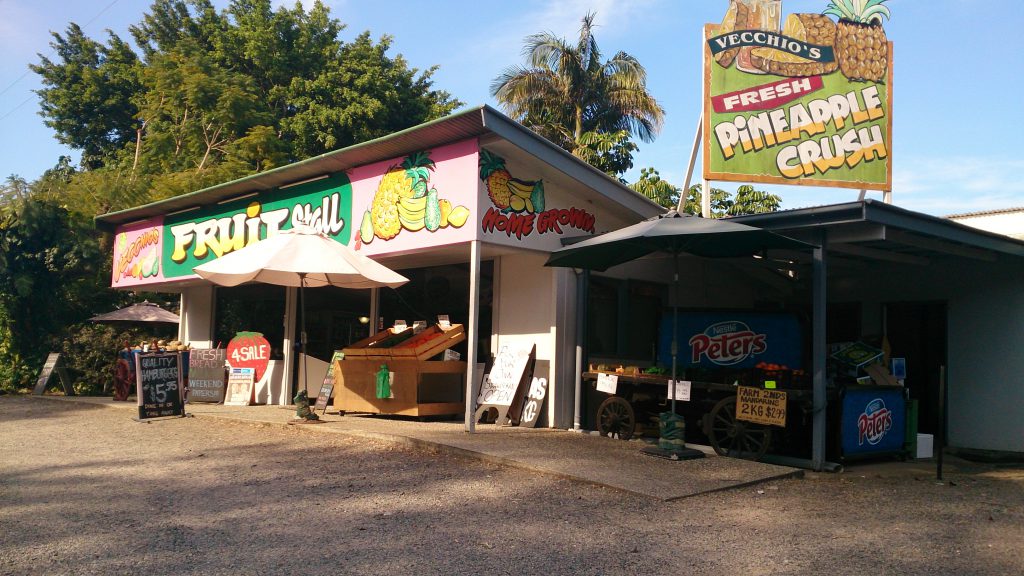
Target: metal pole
(940, 427)
(302, 332)
(705, 199)
(582, 278)
(818, 351)
(474, 317)
(675, 321)
(693, 161)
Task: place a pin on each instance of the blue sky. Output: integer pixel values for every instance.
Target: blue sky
(957, 63)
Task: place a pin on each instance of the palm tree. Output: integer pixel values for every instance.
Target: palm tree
(566, 94)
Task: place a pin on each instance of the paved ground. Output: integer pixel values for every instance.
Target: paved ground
(583, 457)
(86, 490)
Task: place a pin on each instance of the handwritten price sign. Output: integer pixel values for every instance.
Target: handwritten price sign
(761, 406)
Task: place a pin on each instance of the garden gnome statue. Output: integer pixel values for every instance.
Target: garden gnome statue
(302, 407)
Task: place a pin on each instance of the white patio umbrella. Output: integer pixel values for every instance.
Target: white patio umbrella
(300, 257)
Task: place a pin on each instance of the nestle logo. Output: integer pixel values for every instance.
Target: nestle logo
(874, 423)
(727, 343)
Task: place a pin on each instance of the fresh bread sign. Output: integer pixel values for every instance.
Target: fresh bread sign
(807, 101)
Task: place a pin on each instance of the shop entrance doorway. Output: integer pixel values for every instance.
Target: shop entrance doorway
(917, 331)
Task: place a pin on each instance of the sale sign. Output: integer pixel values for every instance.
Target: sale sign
(249, 350)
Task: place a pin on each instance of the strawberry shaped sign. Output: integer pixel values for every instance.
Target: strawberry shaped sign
(249, 350)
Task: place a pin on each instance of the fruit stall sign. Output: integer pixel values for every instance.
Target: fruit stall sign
(416, 201)
(807, 101)
(191, 238)
(137, 254)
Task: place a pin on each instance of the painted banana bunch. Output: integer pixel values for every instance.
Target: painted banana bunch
(526, 196)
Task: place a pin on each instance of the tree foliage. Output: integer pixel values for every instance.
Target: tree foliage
(50, 267)
(746, 200)
(588, 107)
(207, 96)
(216, 95)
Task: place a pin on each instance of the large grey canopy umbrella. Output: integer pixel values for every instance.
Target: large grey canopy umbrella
(142, 312)
(672, 234)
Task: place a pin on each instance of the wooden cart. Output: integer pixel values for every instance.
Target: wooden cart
(640, 397)
(421, 387)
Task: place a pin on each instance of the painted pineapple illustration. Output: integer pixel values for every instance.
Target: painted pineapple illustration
(861, 46)
(407, 181)
(496, 177)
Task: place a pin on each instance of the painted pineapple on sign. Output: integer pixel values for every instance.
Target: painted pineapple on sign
(857, 45)
(405, 200)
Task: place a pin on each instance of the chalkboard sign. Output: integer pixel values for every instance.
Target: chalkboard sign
(206, 375)
(240, 387)
(323, 397)
(534, 402)
(44, 375)
(158, 385)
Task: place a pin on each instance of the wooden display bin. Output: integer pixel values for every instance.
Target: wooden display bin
(377, 345)
(420, 388)
(428, 343)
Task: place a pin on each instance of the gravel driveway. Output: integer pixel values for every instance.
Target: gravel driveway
(86, 490)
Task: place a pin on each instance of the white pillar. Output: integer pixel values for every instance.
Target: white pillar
(471, 333)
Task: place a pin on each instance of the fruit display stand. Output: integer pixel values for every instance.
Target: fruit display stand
(421, 387)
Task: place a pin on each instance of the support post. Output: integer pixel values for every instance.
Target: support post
(290, 317)
(705, 199)
(582, 280)
(819, 351)
(471, 333)
(374, 310)
(693, 162)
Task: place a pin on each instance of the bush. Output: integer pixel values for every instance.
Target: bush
(89, 353)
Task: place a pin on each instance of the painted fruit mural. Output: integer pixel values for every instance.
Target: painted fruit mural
(405, 200)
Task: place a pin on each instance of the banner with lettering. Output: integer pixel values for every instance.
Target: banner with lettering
(732, 340)
(807, 101)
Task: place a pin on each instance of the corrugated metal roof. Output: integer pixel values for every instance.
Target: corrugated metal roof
(471, 123)
(986, 213)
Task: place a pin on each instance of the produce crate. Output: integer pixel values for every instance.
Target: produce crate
(419, 388)
(377, 345)
(428, 343)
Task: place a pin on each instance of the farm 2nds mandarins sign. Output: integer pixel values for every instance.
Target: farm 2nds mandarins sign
(805, 103)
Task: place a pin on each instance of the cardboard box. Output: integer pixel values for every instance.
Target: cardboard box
(925, 446)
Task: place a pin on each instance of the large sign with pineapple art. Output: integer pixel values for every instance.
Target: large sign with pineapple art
(807, 101)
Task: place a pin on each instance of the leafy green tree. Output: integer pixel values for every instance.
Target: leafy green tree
(651, 185)
(50, 263)
(746, 200)
(566, 92)
(87, 97)
(217, 95)
(750, 201)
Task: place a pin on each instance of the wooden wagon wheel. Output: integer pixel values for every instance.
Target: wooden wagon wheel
(615, 418)
(732, 437)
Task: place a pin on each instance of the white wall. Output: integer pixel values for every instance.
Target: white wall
(985, 315)
(1009, 223)
(196, 326)
(525, 305)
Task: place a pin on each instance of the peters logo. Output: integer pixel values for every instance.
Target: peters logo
(874, 423)
(727, 343)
